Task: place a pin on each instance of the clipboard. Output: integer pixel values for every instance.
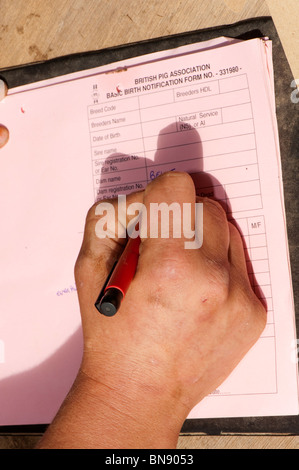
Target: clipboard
(288, 121)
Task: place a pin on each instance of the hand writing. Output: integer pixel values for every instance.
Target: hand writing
(187, 320)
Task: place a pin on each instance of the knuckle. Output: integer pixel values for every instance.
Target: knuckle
(258, 315)
(251, 314)
(171, 264)
(164, 275)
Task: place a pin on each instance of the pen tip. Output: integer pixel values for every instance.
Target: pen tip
(110, 302)
(108, 309)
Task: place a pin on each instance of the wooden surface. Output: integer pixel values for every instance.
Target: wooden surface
(37, 30)
(29, 440)
(34, 30)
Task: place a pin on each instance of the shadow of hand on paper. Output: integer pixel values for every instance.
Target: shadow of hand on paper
(177, 148)
(34, 396)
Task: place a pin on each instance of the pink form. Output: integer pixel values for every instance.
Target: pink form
(96, 135)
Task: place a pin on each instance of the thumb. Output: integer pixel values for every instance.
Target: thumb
(98, 254)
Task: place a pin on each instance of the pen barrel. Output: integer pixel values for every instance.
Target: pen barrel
(125, 269)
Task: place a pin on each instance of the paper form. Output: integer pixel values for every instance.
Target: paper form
(93, 135)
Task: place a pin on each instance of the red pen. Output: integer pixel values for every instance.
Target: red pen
(119, 279)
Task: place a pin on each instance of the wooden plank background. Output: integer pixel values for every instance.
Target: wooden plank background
(37, 30)
(34, 30)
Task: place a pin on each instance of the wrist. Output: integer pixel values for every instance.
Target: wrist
(132, 413)
(115, 413)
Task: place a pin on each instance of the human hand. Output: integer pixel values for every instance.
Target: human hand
(4, 133)
(186, 321)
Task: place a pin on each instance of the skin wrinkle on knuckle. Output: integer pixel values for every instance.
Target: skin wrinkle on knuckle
(93, 247)
(93, 265)
(87, 254)
(96, 249)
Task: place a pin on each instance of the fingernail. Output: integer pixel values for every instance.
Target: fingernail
(3, 89)
(4, 135)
